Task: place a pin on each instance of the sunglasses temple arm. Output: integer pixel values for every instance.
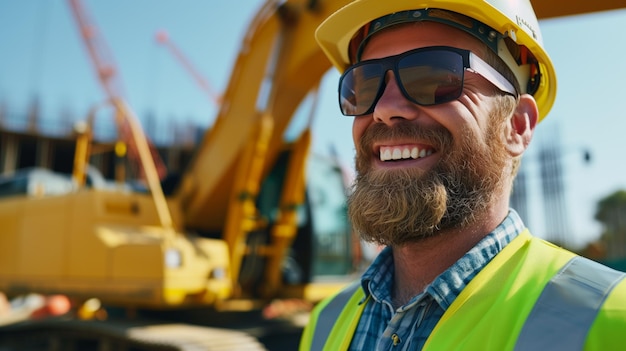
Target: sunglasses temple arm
(480, 67)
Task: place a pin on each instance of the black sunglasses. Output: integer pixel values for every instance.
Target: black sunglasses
(426, 76)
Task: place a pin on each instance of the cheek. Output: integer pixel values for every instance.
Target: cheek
(358, 128)
(462, 117)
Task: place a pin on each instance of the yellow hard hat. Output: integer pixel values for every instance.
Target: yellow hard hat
(508, 22)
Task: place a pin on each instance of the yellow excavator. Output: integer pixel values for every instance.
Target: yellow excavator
(235, 230)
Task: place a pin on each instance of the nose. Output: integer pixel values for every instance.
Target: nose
(393, 106)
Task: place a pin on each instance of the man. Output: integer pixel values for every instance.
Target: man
(445, 100)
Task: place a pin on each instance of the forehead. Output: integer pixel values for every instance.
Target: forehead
(404, 37)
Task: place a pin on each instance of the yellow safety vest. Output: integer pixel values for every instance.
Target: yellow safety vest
(531, 296)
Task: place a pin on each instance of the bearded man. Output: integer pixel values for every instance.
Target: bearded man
(445, 101)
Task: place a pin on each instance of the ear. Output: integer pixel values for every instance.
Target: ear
(521, 125)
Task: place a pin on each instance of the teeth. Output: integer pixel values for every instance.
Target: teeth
(400, 153)
(385, 154)
(397, 154)
(406, 153)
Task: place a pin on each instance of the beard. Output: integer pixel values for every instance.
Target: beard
(399, 206)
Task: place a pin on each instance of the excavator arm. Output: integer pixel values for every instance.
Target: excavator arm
(278, 65)
(561, 8)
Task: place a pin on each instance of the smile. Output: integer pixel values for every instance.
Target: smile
(392, 153)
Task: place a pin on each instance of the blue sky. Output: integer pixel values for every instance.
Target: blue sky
(42, 55)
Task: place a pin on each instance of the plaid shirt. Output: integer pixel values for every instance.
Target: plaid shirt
(407, 328)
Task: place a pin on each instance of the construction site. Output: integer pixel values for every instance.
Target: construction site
(221, 237)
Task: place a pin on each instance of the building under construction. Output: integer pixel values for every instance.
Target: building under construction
(30, 140)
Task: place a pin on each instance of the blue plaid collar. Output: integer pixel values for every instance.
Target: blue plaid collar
(377, 281)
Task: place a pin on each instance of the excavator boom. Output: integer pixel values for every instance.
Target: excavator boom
(561, 8)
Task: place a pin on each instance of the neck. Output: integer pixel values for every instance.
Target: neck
(417, 264)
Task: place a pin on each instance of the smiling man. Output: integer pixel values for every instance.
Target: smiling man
(445, 97)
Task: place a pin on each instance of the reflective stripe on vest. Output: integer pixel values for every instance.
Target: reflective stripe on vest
(330, 314)
(567, 306)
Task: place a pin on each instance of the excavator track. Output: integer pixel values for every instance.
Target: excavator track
(111, 335)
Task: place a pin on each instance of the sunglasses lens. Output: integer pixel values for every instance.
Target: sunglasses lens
(358, 89)
(432, 77)
(427, 77)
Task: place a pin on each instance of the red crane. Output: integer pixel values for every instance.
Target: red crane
(163, 38)
(128, 128)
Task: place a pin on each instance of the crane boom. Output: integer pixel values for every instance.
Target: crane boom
(151, 168)
(111, 82)
(163, 38)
